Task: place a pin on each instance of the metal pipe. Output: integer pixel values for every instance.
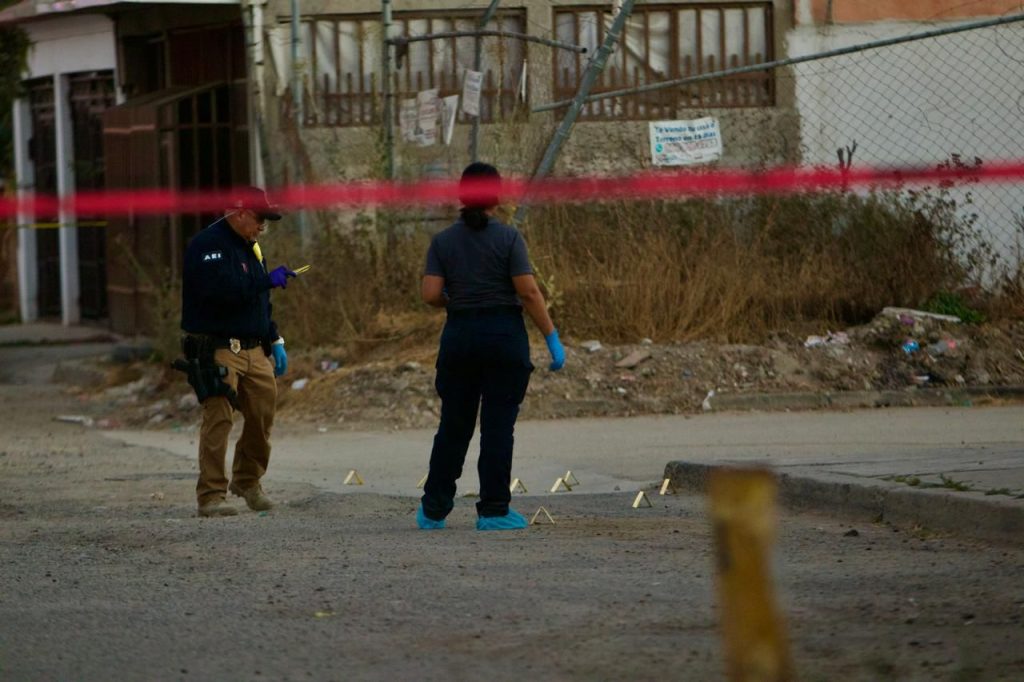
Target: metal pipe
(402, 40)
(297, 98)
(764, 66)
(387, 95)
(593, 70)
(478, 60)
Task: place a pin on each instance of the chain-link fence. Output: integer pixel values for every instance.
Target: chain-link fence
(871, 95)
(954, 99)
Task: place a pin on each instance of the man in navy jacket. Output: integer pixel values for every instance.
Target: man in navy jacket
(226, 317)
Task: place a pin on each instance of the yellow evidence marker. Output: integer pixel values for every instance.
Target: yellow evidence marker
(353, 478)
(517, 486)
(666, 485)
(570, 478)
(423, 481)
(743, 517)
(641, 500)
(304, 268)
(560, 483)
(537, 514)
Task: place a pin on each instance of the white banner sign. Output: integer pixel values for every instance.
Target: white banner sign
(449, 112)
(685, 143)
(471, 92)
(428, 107)
(407, 119)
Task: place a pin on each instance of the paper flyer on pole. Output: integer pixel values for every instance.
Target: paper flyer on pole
(407, 119)
(427, 110)
(450, 111)
(685, 143)
(471, 92)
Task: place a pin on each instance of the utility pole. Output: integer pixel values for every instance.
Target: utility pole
(594, 68)
(478, 58)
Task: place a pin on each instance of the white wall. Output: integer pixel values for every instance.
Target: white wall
(918, 103)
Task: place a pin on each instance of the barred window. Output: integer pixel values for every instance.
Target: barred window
(342, 61)
(665, 42)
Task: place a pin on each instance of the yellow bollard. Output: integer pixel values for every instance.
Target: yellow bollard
(744, 519)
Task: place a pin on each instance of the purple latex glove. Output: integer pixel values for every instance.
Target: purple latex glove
(279, 277)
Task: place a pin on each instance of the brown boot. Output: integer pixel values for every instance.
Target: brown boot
(216, 506)
(254, 497)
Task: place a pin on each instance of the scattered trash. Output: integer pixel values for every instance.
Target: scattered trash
(918, 314)
(627, 378)
(157, 418)
(592, 346)
(321, 429)
(156, 496)
(108, 423)
(646, 342)
(263, 513)
(706, 405)
(299, 384)
(633, 359)
(75, 419)
(922, 379)
(910, 346)
(188, 401)
(620, 390)
(940, 347)
(830, 339)
(329, 365)
(687, 373)
(410, 366)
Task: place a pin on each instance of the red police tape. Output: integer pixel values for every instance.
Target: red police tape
(652, 185)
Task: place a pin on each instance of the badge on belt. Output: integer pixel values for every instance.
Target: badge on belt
(235, 346)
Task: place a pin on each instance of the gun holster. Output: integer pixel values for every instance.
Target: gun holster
(206, 377)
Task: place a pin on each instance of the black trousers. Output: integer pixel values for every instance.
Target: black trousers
(483, 365)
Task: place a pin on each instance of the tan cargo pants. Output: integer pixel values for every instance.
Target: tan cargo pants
(251, 374)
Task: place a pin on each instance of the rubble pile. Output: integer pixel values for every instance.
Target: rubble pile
(896, 351)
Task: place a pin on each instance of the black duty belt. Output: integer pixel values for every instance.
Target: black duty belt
(232, 344)
(487, 311)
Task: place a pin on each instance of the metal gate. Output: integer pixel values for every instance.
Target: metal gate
(90, 95)
(43, 153)
(190, 139)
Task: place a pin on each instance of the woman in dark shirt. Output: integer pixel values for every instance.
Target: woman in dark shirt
(479, 270)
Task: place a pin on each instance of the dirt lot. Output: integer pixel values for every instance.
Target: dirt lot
(108, 574)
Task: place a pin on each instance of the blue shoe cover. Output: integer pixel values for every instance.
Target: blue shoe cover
(426, 523)
(511, 521)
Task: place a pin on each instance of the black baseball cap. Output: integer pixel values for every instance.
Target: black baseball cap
(255, 199)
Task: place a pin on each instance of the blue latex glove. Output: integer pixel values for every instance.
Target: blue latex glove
(556, 350)
(280, 359)
(279, 277)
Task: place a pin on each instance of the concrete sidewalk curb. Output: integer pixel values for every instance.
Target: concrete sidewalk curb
(966, 514)
(810, 400)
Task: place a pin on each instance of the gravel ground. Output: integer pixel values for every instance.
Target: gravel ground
(107, 574)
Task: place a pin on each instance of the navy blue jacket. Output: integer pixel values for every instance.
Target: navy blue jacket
(226, 289)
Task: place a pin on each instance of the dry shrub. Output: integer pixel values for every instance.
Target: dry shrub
(737, 269)
(362, 291)
(731, 270)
